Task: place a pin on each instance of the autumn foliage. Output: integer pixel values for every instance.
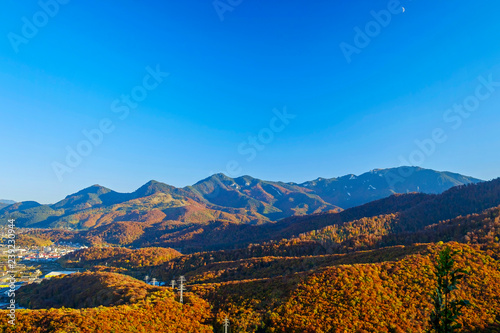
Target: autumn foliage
(119, 257)
(156, 314)
(106, 302)
(84, 290)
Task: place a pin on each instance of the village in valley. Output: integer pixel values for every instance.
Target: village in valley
(32, 264)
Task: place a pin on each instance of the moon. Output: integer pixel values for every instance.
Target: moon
(404, 10)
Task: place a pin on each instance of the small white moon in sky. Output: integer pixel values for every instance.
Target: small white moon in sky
(404, 10)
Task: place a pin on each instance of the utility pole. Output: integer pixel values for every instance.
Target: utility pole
(226, 324)
(182, 279)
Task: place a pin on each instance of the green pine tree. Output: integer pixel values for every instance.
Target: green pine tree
(446, 311)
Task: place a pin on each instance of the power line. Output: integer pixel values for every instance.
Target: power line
(226, 324)
(182, 279)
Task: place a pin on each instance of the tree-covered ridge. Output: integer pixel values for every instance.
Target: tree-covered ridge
(477, 228)
(159, 312)
(119, 257)
(213, 267)
(32, 240)
(84, 290)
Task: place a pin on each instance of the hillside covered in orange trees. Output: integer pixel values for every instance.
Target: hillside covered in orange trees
(85, 290)
(383, 290)
(123, 257)
(157, 313)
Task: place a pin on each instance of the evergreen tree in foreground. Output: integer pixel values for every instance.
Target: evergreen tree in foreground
(446, 309)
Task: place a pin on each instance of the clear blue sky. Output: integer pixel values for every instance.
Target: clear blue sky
(225, 79)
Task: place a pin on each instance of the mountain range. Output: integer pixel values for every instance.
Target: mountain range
(238, 200)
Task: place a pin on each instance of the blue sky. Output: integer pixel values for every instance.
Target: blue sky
(227, 80)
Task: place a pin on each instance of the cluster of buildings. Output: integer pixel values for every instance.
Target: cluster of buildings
(32, 265)
(46, 253)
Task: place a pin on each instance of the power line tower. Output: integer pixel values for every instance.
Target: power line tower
(154, 281)
(226, 324)
(182, 279)
(173, 284)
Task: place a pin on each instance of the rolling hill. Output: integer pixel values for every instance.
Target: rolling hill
(106, 302)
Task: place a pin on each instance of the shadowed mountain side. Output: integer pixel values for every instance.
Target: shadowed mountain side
(350, 190)
(222, 235)
(85, 290)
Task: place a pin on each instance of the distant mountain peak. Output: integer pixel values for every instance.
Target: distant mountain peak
(21, 206)
(221, 176)
(95, 189)
(214, 178)
(7, 202)
(152, 187)
(153, 182)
